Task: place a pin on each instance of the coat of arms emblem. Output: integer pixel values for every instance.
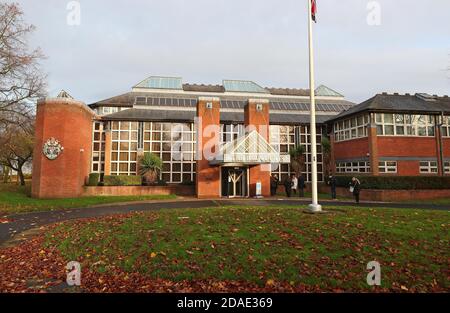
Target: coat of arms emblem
(52, 149)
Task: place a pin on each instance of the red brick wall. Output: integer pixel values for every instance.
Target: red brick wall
(70, 122)
(139, 190)
(446, 147)
(208, 177)
(408, 168)
(259, 121)
(407, 147)
(350, 149)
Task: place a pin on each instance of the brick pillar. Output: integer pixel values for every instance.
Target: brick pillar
(258, 120)
(108, 146)
(70, 123)
(208, 133)
(373, 147)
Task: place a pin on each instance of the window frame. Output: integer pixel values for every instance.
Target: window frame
(426, 167)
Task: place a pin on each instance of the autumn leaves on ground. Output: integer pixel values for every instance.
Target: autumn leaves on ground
(238, 249)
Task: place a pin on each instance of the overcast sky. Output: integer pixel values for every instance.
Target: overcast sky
(119, 43)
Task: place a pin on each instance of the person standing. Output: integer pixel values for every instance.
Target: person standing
(333, 183)
(274, 184)
(288, 186)
(294, 183)
(355, 188)
(301, 186)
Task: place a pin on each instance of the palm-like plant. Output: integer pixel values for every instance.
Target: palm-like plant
(297, 159)
(149, 167)
(326, 150)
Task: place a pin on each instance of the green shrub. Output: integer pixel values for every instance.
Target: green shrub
(397, 182)
(122, 180)
(94, 179)
(149, 167)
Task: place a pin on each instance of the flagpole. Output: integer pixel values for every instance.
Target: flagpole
(314, 207)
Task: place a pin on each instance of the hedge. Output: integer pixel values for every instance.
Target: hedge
(94, 179)
(397, 182)
(122, 180)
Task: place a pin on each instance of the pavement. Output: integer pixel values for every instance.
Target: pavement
(20, 225)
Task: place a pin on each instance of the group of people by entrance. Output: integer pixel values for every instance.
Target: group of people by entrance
(293, 184)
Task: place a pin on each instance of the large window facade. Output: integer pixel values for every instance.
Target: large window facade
(230, 132)
(405, 125)
(352, 128)
(98, 148)
(284, 138)
(124, 148)
(175, 144)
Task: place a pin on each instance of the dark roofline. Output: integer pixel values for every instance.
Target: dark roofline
(377, 104)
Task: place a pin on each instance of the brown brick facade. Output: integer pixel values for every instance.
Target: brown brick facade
(70, 122)
(406, 151)
(208, 182)
(258, 120)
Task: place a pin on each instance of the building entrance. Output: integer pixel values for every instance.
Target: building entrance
(234, 182)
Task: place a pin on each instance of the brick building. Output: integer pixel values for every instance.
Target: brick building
(228, 139)
(247, 129)
(392, 134)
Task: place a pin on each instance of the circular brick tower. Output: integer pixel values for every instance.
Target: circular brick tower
(63, 145)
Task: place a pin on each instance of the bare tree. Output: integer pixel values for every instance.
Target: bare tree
(17, 142)
(21, 79)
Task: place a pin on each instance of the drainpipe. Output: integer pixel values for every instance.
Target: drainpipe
(441, 144)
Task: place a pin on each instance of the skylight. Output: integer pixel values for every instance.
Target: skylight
(243, 86)
(159, 82)
(324, 91)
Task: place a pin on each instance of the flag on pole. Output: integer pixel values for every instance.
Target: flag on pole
(313, 10)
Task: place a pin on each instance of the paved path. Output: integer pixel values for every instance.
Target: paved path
(24, 222)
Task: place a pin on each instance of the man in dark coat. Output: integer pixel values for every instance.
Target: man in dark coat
(356, 185)
(288, 186)
(301, 186)
(274, 184)
(332, 183)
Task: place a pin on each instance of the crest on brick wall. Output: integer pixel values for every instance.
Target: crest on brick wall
(52, 149)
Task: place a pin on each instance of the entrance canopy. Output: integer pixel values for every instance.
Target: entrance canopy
(250, 149)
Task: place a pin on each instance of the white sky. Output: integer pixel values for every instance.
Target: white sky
(119, 43)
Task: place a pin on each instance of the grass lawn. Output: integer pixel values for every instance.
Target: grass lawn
(271, 246)
(16, 199)
(322, 196)
(443, 201)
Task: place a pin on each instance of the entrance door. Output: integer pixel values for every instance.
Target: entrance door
(234, 182)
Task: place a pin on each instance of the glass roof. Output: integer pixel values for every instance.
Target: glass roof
(159, 82)
(243, 86)
(324, 91)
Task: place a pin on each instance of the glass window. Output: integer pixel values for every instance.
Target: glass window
(387, 167)
(428, 167)
(352, 167)
(284, 138)
(447, 167)
(388, 119)
(351, 128)
(98, 148)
